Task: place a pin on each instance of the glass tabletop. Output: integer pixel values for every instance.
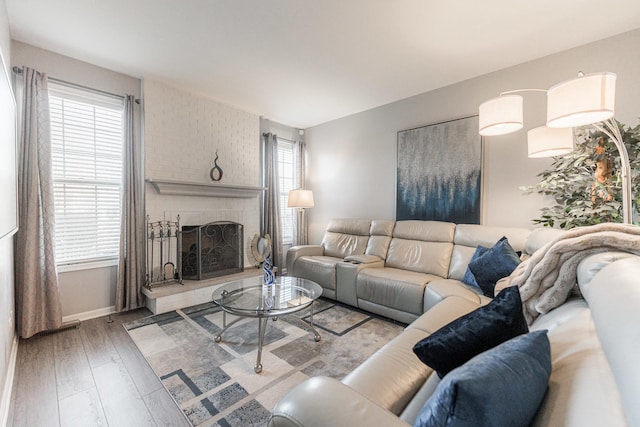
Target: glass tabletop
(251, 295)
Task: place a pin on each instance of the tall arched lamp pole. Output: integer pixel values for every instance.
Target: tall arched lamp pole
(586, 99)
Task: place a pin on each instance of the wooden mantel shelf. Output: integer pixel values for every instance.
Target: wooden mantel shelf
(184, 188)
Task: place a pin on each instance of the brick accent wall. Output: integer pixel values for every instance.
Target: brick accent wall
(182, 133)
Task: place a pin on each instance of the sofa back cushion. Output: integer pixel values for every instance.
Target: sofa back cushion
(469, 236)
(380, 238)
(540, 237)
(421, 246)
(345, 237)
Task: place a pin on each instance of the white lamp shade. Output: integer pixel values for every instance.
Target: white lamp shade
(581, 101)
(501, 115)
(548, 142)
(300, 198)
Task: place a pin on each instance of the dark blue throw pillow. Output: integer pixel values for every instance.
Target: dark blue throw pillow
(469, 335)
(468, 277)
(494, 264)
(500, 387)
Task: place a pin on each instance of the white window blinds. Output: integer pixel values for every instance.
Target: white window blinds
(87, 142)
(287, 172)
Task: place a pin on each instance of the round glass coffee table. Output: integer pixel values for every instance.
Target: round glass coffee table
(252, 298)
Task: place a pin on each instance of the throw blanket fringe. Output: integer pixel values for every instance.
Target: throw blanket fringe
(547, 277)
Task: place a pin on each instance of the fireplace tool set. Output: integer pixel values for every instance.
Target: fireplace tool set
(163, 253)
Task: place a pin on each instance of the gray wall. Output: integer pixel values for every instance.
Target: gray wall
(353, 160)
(7, 317)
(91, 292)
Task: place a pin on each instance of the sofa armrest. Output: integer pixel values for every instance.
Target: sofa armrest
(614, 299)
(438, 290)
(324, 401)
(296, 252)
(346, 274)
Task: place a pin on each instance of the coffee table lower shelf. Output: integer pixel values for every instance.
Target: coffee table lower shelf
(262, 327)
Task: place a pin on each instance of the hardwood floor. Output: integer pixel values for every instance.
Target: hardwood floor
(93, 375)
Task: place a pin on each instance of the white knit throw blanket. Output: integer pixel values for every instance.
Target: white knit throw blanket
(547, 277)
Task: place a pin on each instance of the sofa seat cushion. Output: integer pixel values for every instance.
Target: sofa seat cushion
(582, 388)
(392, 375)
(320, 269)
(393, 287)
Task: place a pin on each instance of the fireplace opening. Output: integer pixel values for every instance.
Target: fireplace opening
(212, 250)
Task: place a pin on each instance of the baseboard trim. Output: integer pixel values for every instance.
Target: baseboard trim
(89, 314)
(5, 403)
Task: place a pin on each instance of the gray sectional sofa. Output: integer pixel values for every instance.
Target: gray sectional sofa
(595, 377)
(594, 336)
(401, 269)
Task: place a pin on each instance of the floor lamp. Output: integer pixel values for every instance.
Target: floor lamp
(586, 99)
(299, 198)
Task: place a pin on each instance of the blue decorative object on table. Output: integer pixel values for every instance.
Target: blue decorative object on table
(267, 267)
(269, 298)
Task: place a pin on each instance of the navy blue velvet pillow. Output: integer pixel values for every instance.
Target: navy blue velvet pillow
(469, 335)
(468, 277)
(493, 265)
(500, 387)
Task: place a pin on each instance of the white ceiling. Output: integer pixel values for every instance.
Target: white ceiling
(305, 62)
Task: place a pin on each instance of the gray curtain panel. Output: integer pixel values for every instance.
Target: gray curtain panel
(271, 206)
(36, 277)
(301, 236)
(131, 266)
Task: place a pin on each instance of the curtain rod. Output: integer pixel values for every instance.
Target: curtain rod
(18, 70)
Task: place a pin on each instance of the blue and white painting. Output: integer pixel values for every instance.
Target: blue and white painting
(439, 172)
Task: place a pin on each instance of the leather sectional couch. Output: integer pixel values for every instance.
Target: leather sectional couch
(595, 377)
(594, 338)
(401, 269)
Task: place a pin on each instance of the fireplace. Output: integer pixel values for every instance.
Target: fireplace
(212, 250)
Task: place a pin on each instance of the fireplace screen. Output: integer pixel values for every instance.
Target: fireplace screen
(212, 250)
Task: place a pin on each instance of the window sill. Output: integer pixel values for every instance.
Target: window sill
(89, 265)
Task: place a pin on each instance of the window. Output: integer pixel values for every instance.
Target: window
(287, 172)
(86, 148)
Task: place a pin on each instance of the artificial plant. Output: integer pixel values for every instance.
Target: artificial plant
(586, 184)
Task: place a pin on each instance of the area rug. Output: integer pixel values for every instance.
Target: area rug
(214, 383)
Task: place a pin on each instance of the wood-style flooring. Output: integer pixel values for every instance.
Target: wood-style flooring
(90, 376)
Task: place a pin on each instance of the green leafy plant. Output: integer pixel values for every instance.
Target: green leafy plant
(586, 183)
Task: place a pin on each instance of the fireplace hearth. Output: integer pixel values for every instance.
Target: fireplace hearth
(212, 250)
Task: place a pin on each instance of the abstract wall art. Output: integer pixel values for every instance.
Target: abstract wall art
(439, 172)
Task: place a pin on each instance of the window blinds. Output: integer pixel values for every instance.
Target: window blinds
(286, 171)
(87, 143)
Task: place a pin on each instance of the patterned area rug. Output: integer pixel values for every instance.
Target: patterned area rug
(215, 384)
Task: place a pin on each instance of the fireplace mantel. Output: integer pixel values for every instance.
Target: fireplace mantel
(185, 188)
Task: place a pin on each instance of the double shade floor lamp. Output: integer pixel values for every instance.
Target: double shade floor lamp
(585, 100)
